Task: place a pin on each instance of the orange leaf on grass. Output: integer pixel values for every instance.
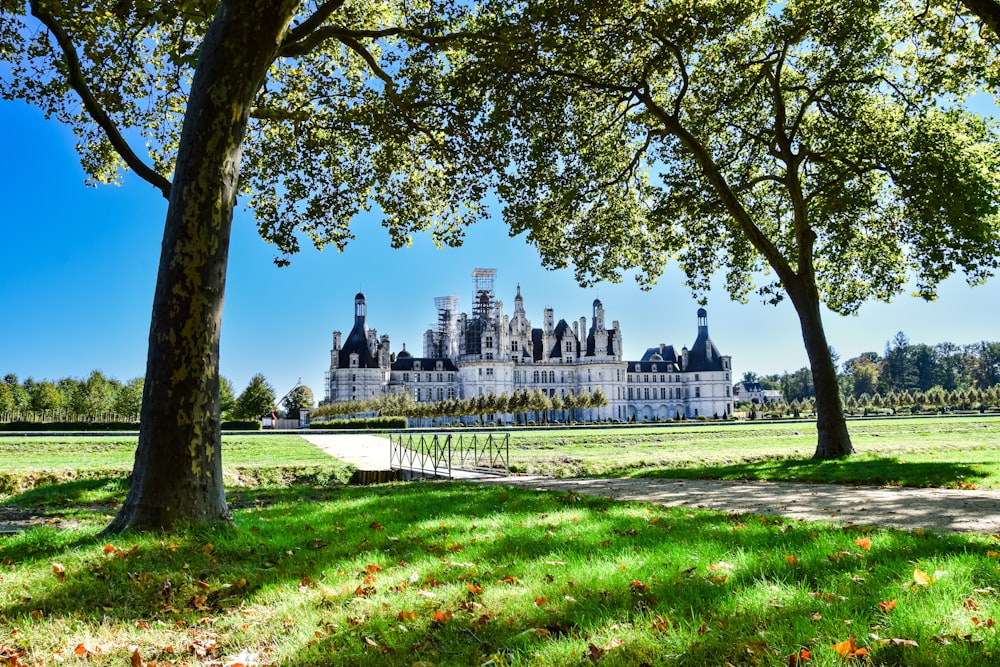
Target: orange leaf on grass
(848, 649)
(799, 658)
(372, 569)
(864, 542)
(475, 589)
(794, 560)
(887, 606)
(442, 617)
(540, 601)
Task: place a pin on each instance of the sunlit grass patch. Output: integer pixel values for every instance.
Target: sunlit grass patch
(453, 574)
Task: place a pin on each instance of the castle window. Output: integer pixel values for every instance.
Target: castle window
(451, 377)
(489, 372)
(727, 390)
(653, 368)
(630, 393)
(513, 345)
(569, 346)
(552, 376)
(406, 377)
(439, 366)
(440, 393)
(663, 392)
(677, 378)
(440, 377)
(697, 392)
(696, 378)
(645, 378)
(663, 378)
(451, 393)
(416, 365)
(535, 377)
(645, 392)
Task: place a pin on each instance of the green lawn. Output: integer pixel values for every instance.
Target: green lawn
(926, 451)
(27, 462)
(452, 574)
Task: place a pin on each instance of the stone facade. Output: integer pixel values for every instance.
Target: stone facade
(489, 352)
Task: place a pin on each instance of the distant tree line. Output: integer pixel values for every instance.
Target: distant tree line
(100, 398)
(527, 407)
(904, 368)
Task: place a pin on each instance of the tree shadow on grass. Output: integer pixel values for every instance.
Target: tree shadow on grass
(869, 470)
(589, 564)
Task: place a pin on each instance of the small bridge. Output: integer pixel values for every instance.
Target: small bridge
(450, 455)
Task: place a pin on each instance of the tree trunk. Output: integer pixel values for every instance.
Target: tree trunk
(177, 476)
(833, 439)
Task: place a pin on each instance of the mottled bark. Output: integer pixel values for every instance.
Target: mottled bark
(833, 439)
(177, 477)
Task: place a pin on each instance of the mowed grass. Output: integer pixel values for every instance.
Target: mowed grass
(35, 461)
(453, 574)
(925, 451)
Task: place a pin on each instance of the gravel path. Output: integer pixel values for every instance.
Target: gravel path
(941, 510)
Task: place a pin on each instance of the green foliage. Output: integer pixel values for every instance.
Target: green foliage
(299, 397)
(256, 401)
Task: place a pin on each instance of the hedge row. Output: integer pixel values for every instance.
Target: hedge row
(364, 423)
(69, 426)
(25, 427)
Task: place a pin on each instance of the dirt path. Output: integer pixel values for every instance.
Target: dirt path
(941, 510)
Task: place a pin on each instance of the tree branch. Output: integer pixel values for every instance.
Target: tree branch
(74, 73)
(311, 24)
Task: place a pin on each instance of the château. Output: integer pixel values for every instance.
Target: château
(487, 351)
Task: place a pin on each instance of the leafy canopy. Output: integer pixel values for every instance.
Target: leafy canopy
(350, 120)
(823, 143)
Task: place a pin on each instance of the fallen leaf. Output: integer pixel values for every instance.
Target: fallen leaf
(794, 560)
(372, 569)
(442, 617)
(899, 642)
(59, 570)
(110, 549)
(136, 659)
(887, 606)
(799, 658)
(475, 589)
(864, 542)
(539, 602)
(406, 616)
(848, 649)
(921, 578)
(208, 549)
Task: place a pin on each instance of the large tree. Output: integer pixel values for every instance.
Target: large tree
(313, 111)
(817, 147)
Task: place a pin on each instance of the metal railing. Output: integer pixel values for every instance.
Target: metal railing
(438, 454)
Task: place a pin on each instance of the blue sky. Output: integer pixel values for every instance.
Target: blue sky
(79, 265)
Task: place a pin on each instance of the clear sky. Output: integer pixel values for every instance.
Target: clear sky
(79, 265)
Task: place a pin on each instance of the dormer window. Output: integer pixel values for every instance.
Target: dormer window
(440, 366)
(354, 360)
(416, 365)
(653, 368)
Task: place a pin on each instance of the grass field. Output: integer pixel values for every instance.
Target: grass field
(945, 451)
(36, 461)
(453, 574)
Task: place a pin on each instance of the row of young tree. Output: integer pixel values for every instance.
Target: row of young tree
(903, 367)
(101, 398)
(934, 399)
(526, 407)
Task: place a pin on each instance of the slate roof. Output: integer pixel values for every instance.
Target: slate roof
(427, 364)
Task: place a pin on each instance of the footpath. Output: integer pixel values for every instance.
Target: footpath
(940, 510)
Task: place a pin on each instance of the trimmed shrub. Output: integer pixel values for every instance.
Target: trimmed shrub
(69, 426)
(243, 425)
(376, 423)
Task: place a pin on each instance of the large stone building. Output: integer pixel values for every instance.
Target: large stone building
(487, 351)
